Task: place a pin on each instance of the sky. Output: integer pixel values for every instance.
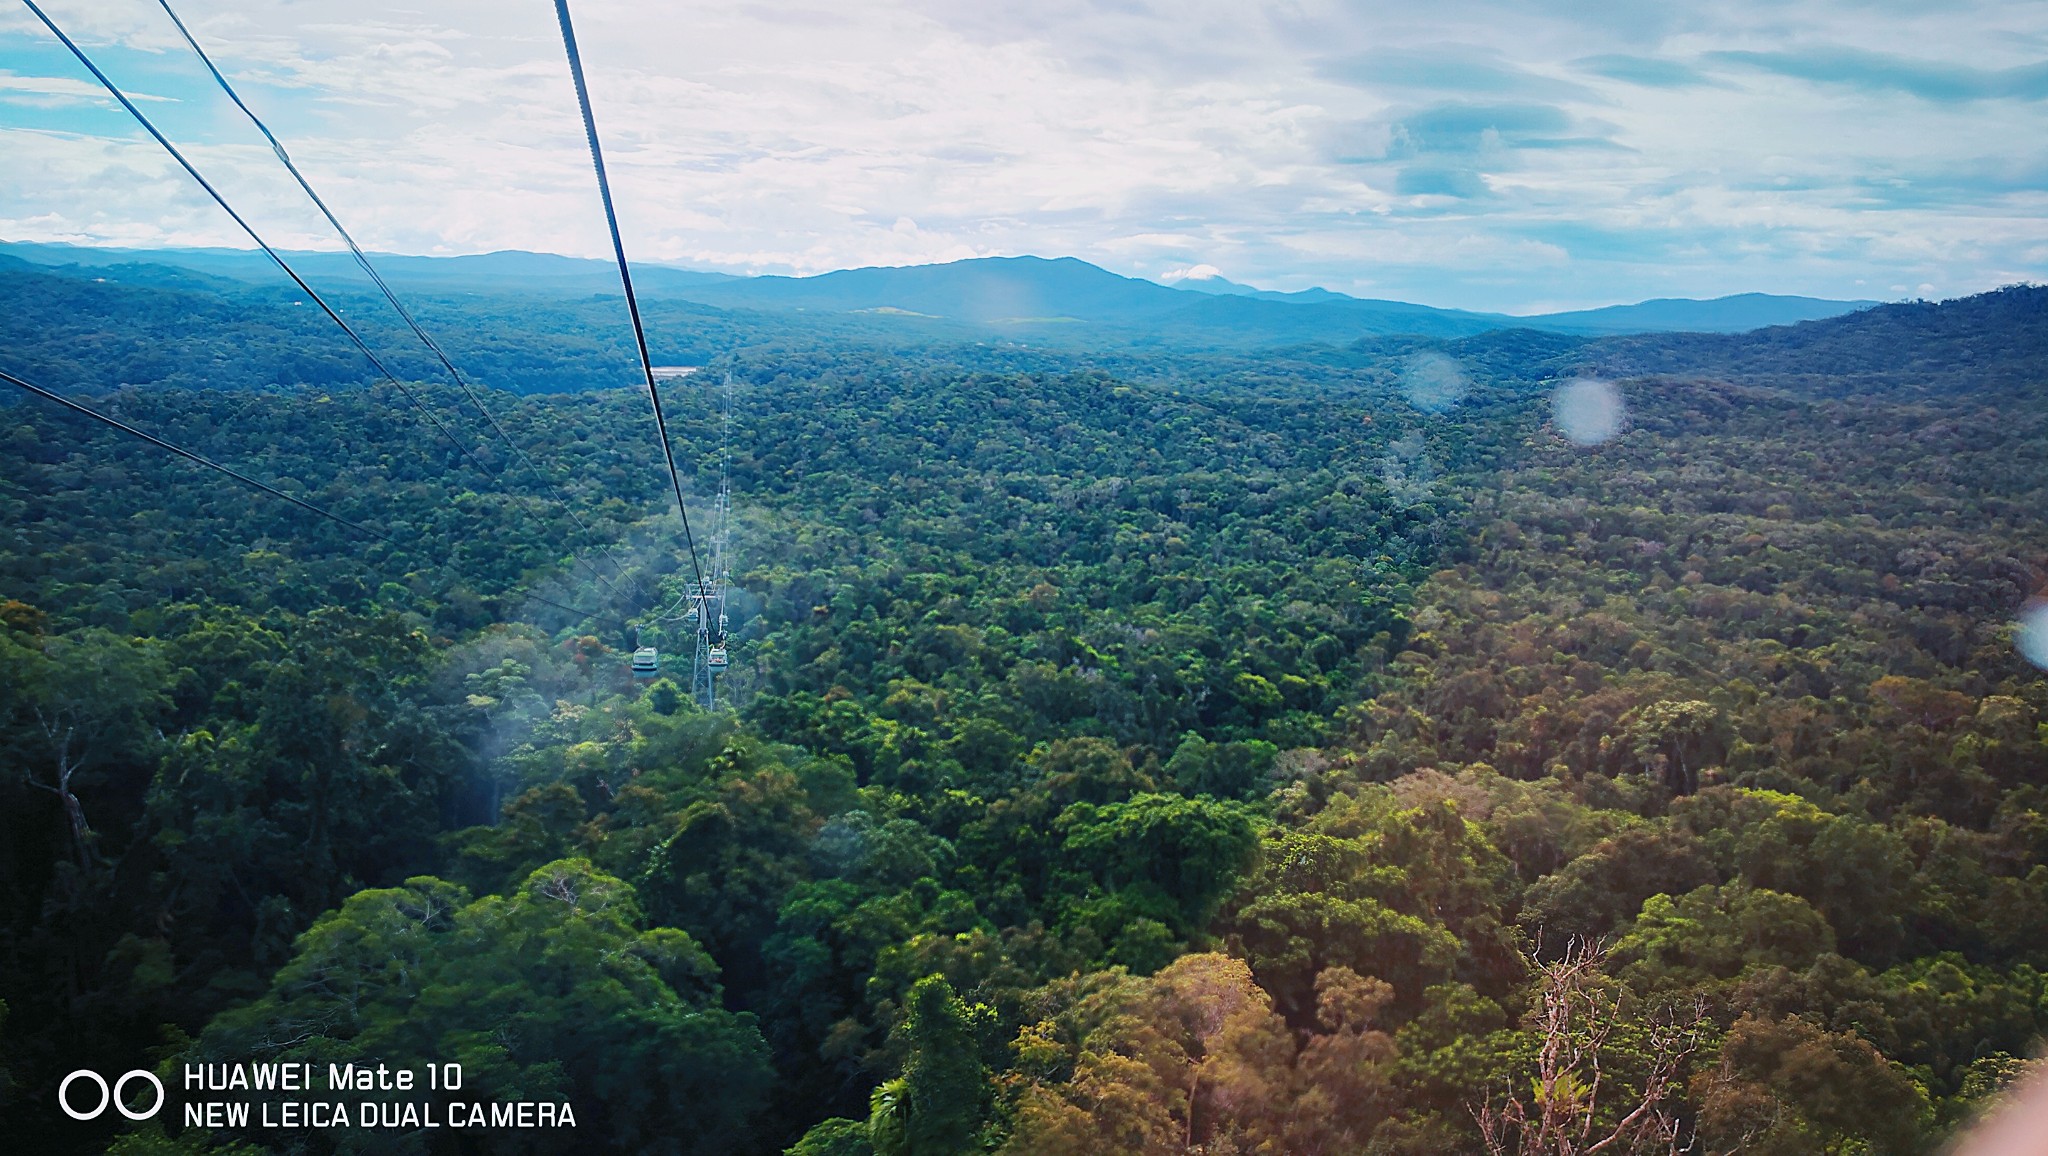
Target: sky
(1520, 157)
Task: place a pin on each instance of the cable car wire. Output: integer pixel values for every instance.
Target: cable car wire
(222, 201)
(181, 451)
(191, 170)
(362, 259)
(611, 216)
(586, 614)
(278, 260)
(230, 471)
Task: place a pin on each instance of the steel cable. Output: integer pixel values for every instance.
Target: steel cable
(362, 259)
(611, 216)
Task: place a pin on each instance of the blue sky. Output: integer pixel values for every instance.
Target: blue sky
(1519, 157)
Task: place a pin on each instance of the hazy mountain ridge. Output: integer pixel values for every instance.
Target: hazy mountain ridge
(503, 271)
(1739, 313)
(1985, 344)
(120, 324)
(1011, 295)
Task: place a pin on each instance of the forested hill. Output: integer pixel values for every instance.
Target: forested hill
(109, 324)
(1990, 345)
(1063, 301)
(141, 324)
(1123, 755)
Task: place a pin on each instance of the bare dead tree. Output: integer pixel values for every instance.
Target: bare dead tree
(69, 756)
(92, 697)
(1577, 1018)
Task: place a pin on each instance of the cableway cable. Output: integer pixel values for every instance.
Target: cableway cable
(181, 451)
(278, 260)
(238, 475)
(611, 216)
(362, 259)
(191, 170)
(584, 614)
(222, 201)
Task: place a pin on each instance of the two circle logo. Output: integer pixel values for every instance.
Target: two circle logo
(112, 1096)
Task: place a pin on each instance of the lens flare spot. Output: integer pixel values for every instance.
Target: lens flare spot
(1433, 383)
(1588, 411)
(2031, 640)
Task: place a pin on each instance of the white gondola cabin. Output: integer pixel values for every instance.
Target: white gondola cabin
(646, 662)
(718, 659)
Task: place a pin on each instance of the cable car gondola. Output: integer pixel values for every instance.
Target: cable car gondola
(646, 662)
(717, 659)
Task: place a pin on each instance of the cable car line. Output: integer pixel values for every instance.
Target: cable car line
(356, 339)
(236, 474)
(611, 216)
(586, 614)
(181, 451)
(713, 656)
(222, 201)
(193, 171)
(362, 259)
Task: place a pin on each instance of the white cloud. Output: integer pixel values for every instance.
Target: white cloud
(1489, 155)
(56, 90)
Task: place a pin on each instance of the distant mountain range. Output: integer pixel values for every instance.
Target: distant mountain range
(477, 273)
(1057, 301)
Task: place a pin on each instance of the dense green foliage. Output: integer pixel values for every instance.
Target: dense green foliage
(1126, 759)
